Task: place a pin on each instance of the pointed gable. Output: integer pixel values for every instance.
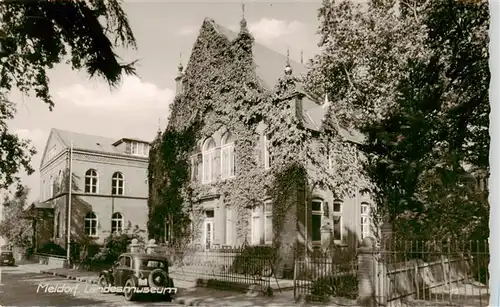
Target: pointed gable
(53, 147)
(268, 63)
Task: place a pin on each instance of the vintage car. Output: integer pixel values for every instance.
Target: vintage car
(139, 271)
(6, 257)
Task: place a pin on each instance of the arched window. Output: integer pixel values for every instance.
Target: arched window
(117, 184)
(91, 224)
(365, 220)
(116, 222)
(91, 181)
(227, 156)
(208, 160)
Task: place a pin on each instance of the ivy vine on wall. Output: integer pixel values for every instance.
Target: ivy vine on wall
(222, 91)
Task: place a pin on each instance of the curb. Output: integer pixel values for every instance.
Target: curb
(80, 279)
(188, 301)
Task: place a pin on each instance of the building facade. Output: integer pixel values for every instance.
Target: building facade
(214, 162)
(108, 185)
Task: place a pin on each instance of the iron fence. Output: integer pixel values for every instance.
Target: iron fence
(434, 273)
(323, 274)
(223, 266)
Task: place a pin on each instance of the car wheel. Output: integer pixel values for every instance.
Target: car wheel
(167, 297)
(103, 282)
(129, 290)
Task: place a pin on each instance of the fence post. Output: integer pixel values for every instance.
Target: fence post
(367, 273)
(134, 246)
(151, 246)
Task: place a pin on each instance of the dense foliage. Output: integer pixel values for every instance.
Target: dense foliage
(36, 37)
(221, 92)
(114, 245)
(16, 225)
(52, 248)
(414, 78)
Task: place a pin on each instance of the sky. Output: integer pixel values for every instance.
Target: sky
(165, 33)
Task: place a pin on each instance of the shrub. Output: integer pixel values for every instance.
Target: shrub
(114, 245)
(52, 248)
(337, 286)
(254, 260)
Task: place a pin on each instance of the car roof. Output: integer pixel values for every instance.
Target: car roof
(146, 256)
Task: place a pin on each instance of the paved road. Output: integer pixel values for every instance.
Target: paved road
(23, 288)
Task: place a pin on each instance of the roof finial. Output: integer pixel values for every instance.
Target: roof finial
(180, 67)
(243, 22)
(288, 68)
(301, 56)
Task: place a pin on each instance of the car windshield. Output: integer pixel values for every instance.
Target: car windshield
(150, 264)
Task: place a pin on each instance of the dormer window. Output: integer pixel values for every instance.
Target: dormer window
(137, 148)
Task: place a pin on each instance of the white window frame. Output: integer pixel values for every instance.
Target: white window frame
(267, 214)
(259, 212)
(88, 230)
(319, 213)
(208, 157)
(211, 221)
(116, 179)
(267, 152)
(134, 148)
(89, 175)
(338, 214)
(365, 220)
(117, 218)
(230, 226)
(225, 166)
(256, 237)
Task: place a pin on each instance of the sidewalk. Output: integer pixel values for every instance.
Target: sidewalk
(189, 294)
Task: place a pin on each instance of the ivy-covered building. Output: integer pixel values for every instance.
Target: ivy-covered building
(249, 156)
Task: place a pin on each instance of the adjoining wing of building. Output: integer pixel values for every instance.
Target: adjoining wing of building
(109, 187)
(214, 161)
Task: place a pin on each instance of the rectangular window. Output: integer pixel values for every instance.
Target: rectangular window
(365, 220)
(135, 148)
(316, 220)
(267, 152)
(208, 160)
(337, 227)
(337, 220)
(256, 229)
(316, 227)
(268, 229)
(230, 226)
(262, 224)
(145, 149)
(128, 148)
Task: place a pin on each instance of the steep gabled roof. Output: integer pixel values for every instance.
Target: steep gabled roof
(269, 67)
(269, 64)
